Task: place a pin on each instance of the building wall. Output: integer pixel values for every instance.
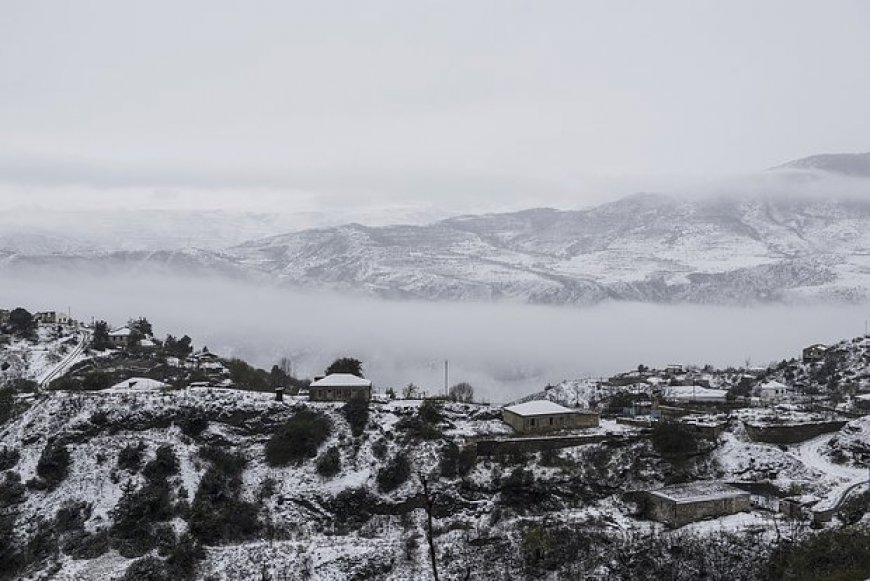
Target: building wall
(677, 515)
(549, 422)
(338, 393)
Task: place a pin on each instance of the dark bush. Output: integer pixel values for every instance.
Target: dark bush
(99, 418)
(674, 439)
(329, 463)
(356, 411)
(81, 544)
(394, 474)
(353, 507)
(71, 516)
(12, 491)
(8, 403)
(183, 558)
(456, 461)
(147, 569)
(379, 448)
(53, 465)
(298, 439)
(164, 464)
(130, 457)
(841, 554)
(135, 518)
(193, 422)
(218, 514)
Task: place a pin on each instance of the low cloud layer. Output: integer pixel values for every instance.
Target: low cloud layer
(505, 350)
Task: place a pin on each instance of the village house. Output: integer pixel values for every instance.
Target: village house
(774, 391)
(814, 353)
(340, 387)
(200, 358)
(51, 318)
(681, 504)
(120, 337)
(546, 416)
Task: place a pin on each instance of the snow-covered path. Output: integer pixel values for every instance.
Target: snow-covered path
(810, 454)
(65, 363)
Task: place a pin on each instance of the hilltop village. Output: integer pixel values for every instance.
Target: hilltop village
(142, 457)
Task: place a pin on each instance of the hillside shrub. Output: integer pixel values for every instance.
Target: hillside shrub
(356, 411)
(8, 458)
(841, 554)
(673, 439)
(192, 422)
(130, 457)
(329, 463)
(147, 569)
(136, 516)
(353, 507)
(217, 513)
(164, 464)
(12, 491)
(456, 461)
(424, 424)
(53, 465)
(8, 403)
(394, 474)
(298, 439)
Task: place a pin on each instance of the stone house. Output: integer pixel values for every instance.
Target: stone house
(120, 337)
(538, 416)
(774, 391)
(814, 353)
(681, 504)
(51, 318)
(340, 387)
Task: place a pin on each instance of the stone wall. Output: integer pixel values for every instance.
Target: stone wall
(791, 433)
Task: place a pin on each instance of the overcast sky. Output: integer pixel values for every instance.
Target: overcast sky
(416, 99)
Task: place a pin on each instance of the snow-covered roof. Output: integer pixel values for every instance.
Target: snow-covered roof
(139, 384)
(122, 332)
(539, 407)
(698, 492)
(342, 380)
(147, 343)
(693, 392)
(774, 385)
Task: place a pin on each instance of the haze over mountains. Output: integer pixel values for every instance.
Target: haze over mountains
(728, 248)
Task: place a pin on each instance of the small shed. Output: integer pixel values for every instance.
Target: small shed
(546, 416)
(681, 504)
(340, 387)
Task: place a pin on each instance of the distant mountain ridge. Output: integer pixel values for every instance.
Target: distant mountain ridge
(848, 164)
(645, 247)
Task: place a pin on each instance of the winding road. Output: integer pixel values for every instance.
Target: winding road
(810, 454)
(68, 360)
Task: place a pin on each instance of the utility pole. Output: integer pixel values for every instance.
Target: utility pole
(446, 367)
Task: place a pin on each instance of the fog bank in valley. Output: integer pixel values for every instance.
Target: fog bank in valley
(504, 349)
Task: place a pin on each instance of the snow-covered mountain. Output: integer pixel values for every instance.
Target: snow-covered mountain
(645, 247)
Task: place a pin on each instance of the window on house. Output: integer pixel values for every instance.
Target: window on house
(551, 421)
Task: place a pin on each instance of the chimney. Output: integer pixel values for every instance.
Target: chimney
(279, 394)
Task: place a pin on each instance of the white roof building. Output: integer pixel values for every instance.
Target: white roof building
(341, 380)
(773, 390)
(139, 384)
(540, 407)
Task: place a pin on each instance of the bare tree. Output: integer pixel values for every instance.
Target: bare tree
(463, 392)
(429, 499)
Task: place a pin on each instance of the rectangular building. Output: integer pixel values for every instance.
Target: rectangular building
(538, 416)
(340, 387)
(681, 504)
